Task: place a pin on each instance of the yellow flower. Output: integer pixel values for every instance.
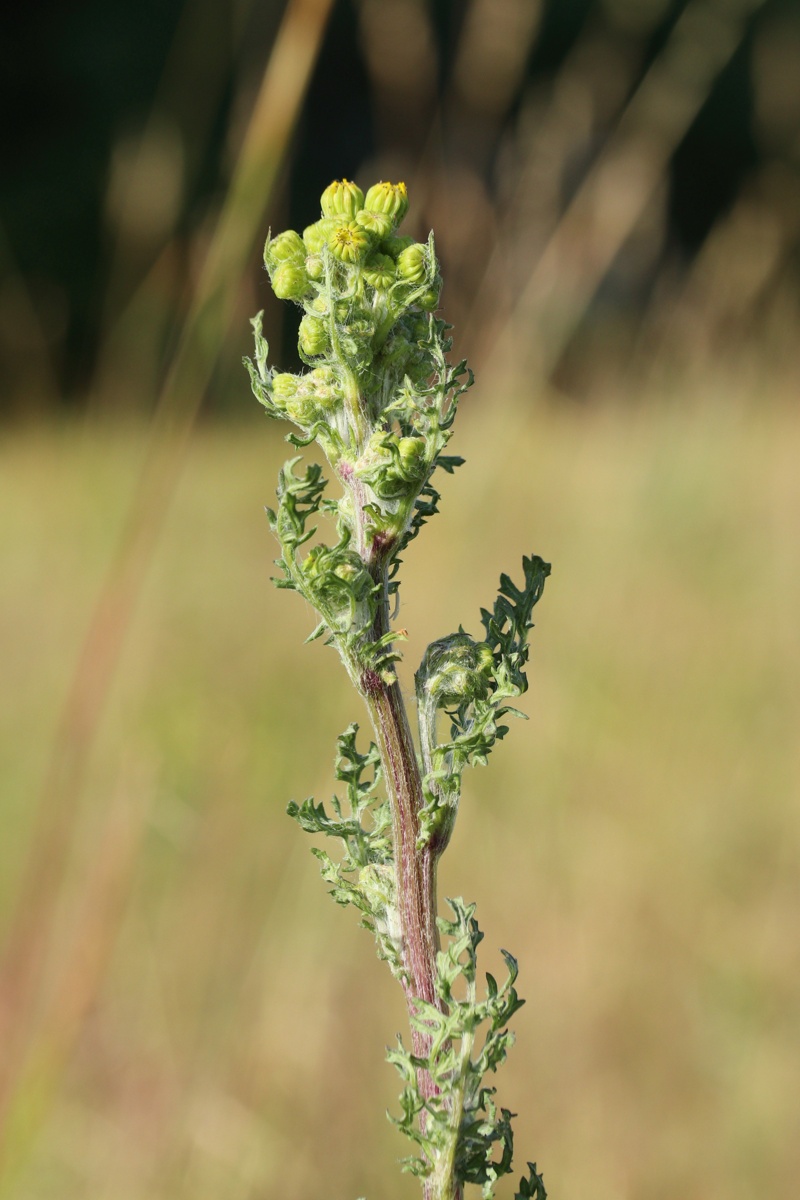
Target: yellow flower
(342, 199)
(390, 199)
(349, 242)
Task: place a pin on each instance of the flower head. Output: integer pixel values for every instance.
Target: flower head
(324, 386)
(312, 336)
(285, 247)
(284, 389)
(290, 281)
(412, 263)
(391, 199)
(374, 222)
(342, 199)
(315, 266)
(411, 456)
(316, 236)
(395, 245)
(379, 270)
(457, 669)
(349, 242)
(429, 300)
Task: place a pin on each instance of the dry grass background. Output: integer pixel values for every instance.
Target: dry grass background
(635, 843)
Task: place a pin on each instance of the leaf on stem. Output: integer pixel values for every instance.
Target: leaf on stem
(472, 682)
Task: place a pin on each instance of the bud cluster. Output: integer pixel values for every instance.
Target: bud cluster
(359, 232)
(379, 395)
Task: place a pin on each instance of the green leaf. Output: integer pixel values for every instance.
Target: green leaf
(364, 874)
(472, 681)
(532, 1187)
(468, 1036)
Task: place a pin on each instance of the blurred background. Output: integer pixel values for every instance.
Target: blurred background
(615, 191)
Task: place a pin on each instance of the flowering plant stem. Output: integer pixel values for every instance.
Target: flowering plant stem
(380, 399)
(416, 869)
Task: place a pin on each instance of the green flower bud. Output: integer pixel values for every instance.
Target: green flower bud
(340, 579)
(302, 410)
(412, 263)
(391, 199)
(315, 266)
(319, 307)
(312, 337)
(429, 300)
(284, 388)
(348, 571)
(305, 398)
(394, 246)
(378, 224)
(322, 375)
(355, 340)
(342, 199)
(379, 270)
(323, 384)
(291, 394)
(411, 453)
(290, 281)
(407, 350)
(458, 669)
(286, 247)
(316, 236)
(391, 465)
(373, 464)
(349, 242)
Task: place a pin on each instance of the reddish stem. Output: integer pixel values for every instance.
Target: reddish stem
(415, 869)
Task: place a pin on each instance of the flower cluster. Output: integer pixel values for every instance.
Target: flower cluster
(353, 251)
(379, 395)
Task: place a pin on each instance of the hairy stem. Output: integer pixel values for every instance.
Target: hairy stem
(416, 874)
(415, 870)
